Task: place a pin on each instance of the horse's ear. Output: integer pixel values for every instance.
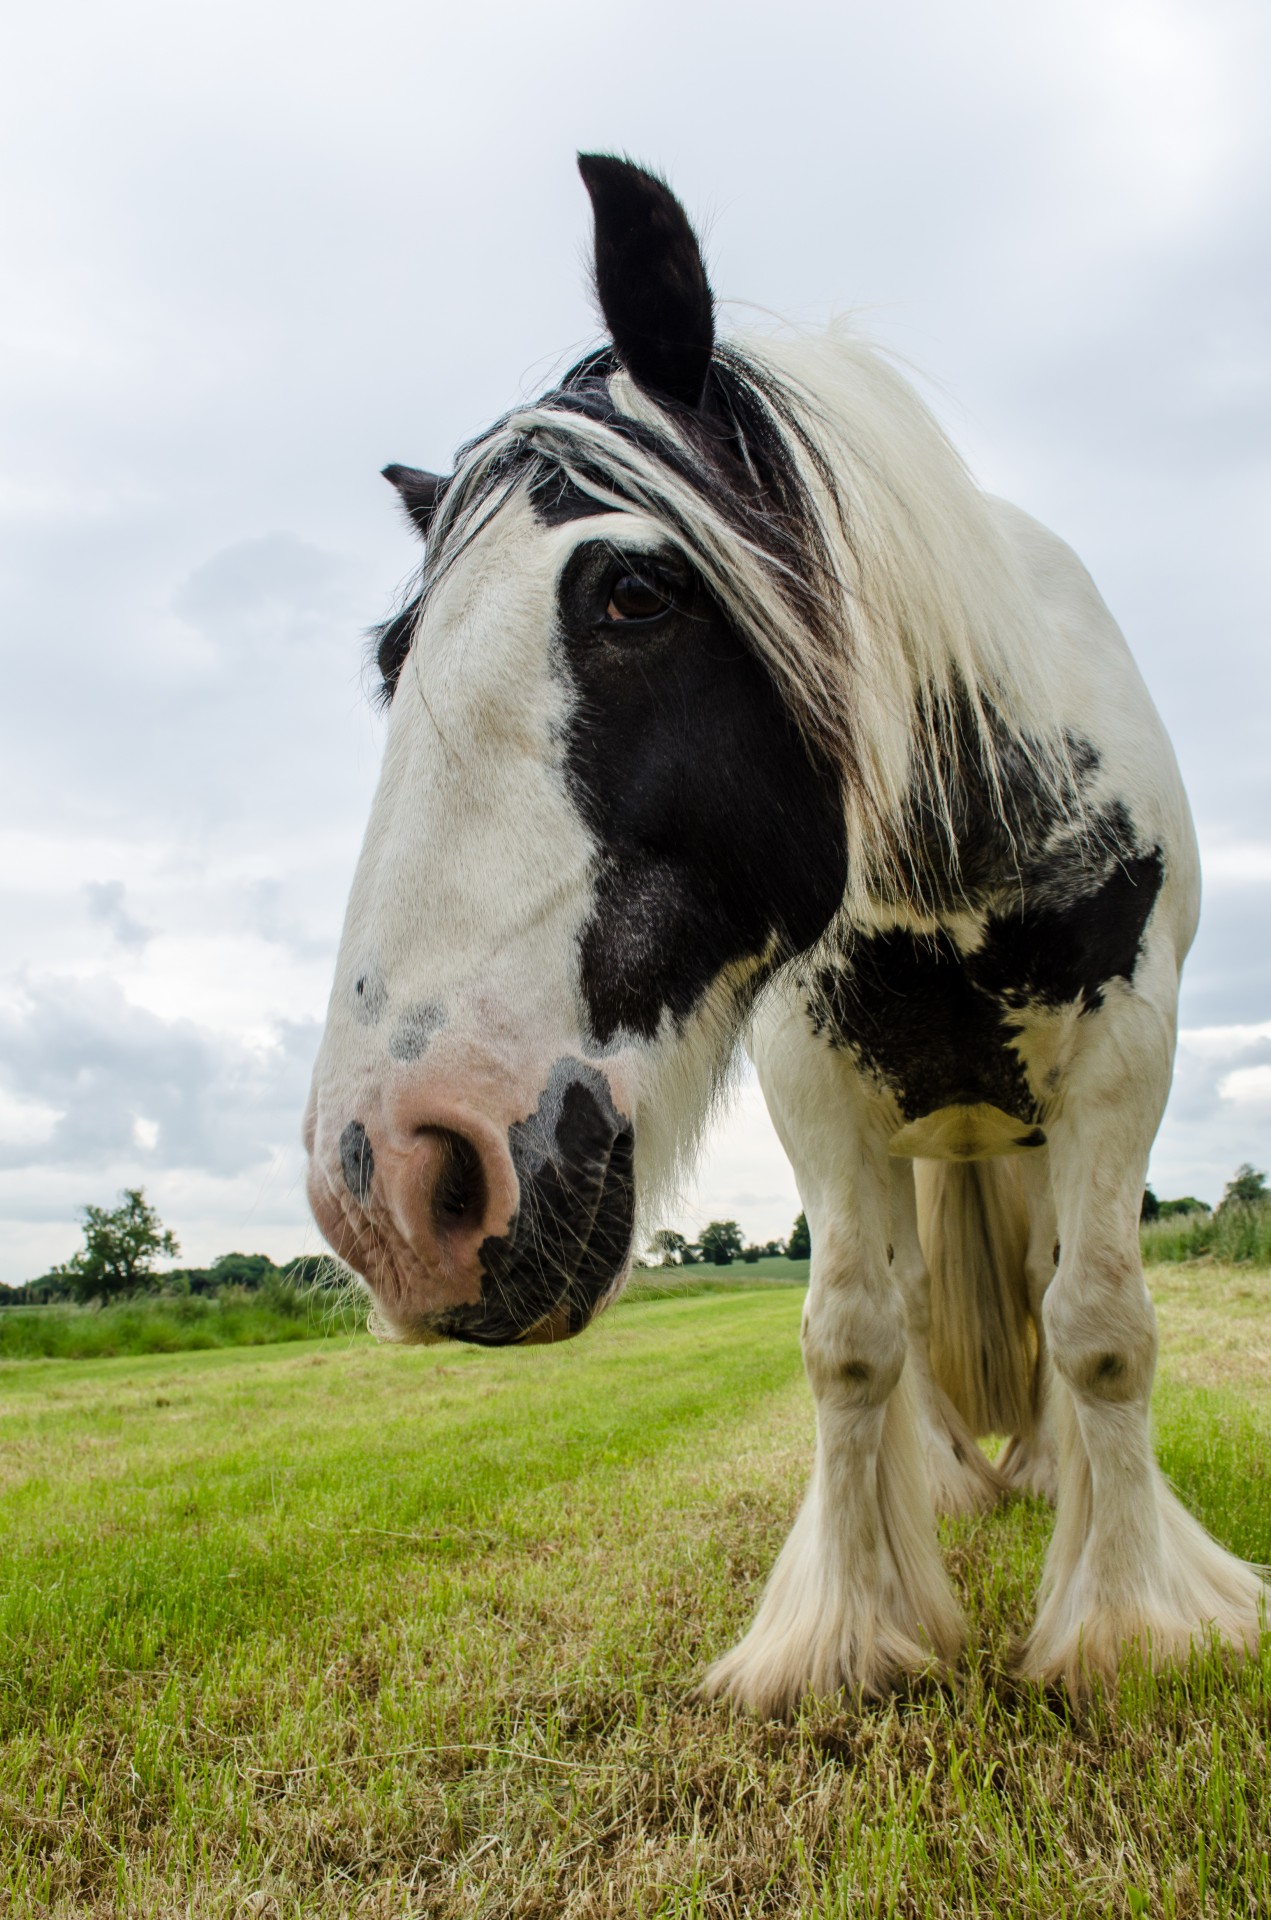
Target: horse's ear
(419, 492)
(650, 279)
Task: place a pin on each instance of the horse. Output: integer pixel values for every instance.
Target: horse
(729, 711)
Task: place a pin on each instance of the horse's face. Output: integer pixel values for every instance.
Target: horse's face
(596, 829)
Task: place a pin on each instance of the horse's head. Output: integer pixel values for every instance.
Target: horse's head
(600, 823)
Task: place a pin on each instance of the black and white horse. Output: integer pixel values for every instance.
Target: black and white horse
(729, 710)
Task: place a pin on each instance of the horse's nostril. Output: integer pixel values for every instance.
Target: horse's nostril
(459, 1196)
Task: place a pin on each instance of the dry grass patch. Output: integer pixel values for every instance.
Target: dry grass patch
(1215, 1324)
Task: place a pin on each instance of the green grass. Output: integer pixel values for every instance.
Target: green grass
(648, 1283)
(149, 1324)
(337, 1629)
(1230, 1235)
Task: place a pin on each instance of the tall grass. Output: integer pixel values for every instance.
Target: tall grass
(159, 1324)
(1233, 1235)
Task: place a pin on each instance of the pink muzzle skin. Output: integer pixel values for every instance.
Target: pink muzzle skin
(465, 1227)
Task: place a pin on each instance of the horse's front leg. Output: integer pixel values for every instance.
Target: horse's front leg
(858, 1595)
(1127, 1563)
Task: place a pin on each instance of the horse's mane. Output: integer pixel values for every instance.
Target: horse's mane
(834, 522)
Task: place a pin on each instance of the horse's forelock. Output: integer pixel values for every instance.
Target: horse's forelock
(726, 481)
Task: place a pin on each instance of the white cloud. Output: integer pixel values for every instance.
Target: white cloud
(743, 1174)
(25, 1123)
(1221, 1043)
(1238, 863)
(1248, 1086)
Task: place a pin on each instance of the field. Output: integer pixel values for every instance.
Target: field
(332, 1629)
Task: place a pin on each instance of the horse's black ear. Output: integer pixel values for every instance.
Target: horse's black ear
(650, 279)
(419, 492)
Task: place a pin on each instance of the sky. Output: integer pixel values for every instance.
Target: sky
(252, 252)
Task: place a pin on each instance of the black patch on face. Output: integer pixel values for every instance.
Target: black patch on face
(572, 1233)
(935, 1024)
(720, 835)
(357, 1160)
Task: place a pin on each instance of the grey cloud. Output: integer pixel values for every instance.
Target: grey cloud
(81, 1048)
(277, 578)
(106, 905)
(1227, 978)
(275, 916)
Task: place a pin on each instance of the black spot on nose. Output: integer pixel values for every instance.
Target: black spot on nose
(370, 998)
(357, 1160)
(415, 1030)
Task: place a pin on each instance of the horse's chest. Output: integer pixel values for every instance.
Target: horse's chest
(969, 1027)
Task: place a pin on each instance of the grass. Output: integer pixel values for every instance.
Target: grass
(671, 1283)
(189, 1323)
(1230, 1235)
(335, 1629)
(157, 1323)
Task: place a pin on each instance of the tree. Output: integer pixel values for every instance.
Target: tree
(799, 1245)
(720, 1243)
(670, 1246)
(1247, 1189)
(250, 1270)
(315, 1270)
(120, 1248)
(1150, 1206)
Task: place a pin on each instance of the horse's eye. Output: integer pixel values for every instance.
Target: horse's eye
(632, 598)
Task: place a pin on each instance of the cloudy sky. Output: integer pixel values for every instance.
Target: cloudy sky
(251, 252)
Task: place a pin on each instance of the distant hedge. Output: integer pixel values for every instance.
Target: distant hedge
(253, 1272)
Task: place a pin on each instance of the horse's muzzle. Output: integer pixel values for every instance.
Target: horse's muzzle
(465, 1232)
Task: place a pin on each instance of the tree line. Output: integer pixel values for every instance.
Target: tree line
(720, 1243)
(120, 1257)
(1247, 1188)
